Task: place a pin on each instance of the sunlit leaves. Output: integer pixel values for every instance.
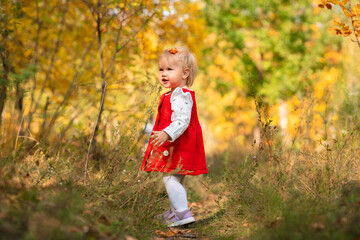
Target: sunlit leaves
(325, 4)
(351, 12)
(342, 29)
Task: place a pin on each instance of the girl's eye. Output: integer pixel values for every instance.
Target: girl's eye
(161, 69)
(170, 69)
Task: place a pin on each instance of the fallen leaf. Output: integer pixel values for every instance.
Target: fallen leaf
(170, 233)
(74, 229)
(193, 205)
(85, 229)
(161, 233)
(130, 238)
(318, 226)
(343, 220)
(104, 219)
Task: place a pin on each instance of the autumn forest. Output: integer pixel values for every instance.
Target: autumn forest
(278, 99)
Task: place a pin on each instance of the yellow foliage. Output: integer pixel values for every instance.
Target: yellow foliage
(333, 56)
(327, 79)
(227, 117)
(353, 15)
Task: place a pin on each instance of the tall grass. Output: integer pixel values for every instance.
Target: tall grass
(44, 196)
(298, 189)
(285, 187)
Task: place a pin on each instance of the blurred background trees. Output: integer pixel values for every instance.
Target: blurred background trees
(278, 101)
(73, 71)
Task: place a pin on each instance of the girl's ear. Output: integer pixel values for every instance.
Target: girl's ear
(186, 73)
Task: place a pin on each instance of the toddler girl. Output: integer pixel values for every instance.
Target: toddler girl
(176, 144)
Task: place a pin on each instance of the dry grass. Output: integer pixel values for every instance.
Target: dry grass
(299, 188)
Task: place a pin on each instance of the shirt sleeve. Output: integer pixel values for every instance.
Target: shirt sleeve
(181, 105)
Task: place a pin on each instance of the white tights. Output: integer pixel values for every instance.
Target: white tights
(176, 192)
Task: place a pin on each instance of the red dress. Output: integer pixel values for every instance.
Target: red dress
(186, 154)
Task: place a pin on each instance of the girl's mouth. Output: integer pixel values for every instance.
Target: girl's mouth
(165, 81)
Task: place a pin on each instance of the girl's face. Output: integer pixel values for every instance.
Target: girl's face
(171, 74)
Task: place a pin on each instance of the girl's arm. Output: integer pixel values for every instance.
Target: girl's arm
(181, 105)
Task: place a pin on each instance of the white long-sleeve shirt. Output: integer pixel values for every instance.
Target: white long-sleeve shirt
(181, 105)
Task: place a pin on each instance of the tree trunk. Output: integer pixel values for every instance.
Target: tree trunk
(92, 143)
(4, 59)
(2, 94)
(19, 98)
(98, 16)
(4, 81)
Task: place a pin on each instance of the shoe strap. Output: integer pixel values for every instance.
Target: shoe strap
(172, 214)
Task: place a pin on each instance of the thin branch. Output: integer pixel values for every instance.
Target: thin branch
(118, 49)
(103, 89)
(91, 8)
(51, 65)
(63, 132)
(103, 74)
(36, 52)
(144, 24)
(31, 138)
(68, 92)
(352, 24)
(18, 135)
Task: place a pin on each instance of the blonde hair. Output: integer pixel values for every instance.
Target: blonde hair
(188, 60)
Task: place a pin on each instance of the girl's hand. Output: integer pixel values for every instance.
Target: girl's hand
(158, 138)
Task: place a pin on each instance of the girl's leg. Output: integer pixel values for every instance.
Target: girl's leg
(182, 178)
(181, 215)
(176, 192)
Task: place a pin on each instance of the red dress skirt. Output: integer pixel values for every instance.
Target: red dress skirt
(186, 155)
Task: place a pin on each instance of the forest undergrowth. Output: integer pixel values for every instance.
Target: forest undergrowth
(276, 188)
(73, 70)
(295, 188)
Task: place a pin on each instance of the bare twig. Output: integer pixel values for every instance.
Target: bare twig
(69, 124)
(352, 24)
(31, 138)
(67, 94)
(103, 73)
(18, 135)
(36, 51)
(91, 8)
(118, 49)
(45, 115)
(51, 65)
(103, 88)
